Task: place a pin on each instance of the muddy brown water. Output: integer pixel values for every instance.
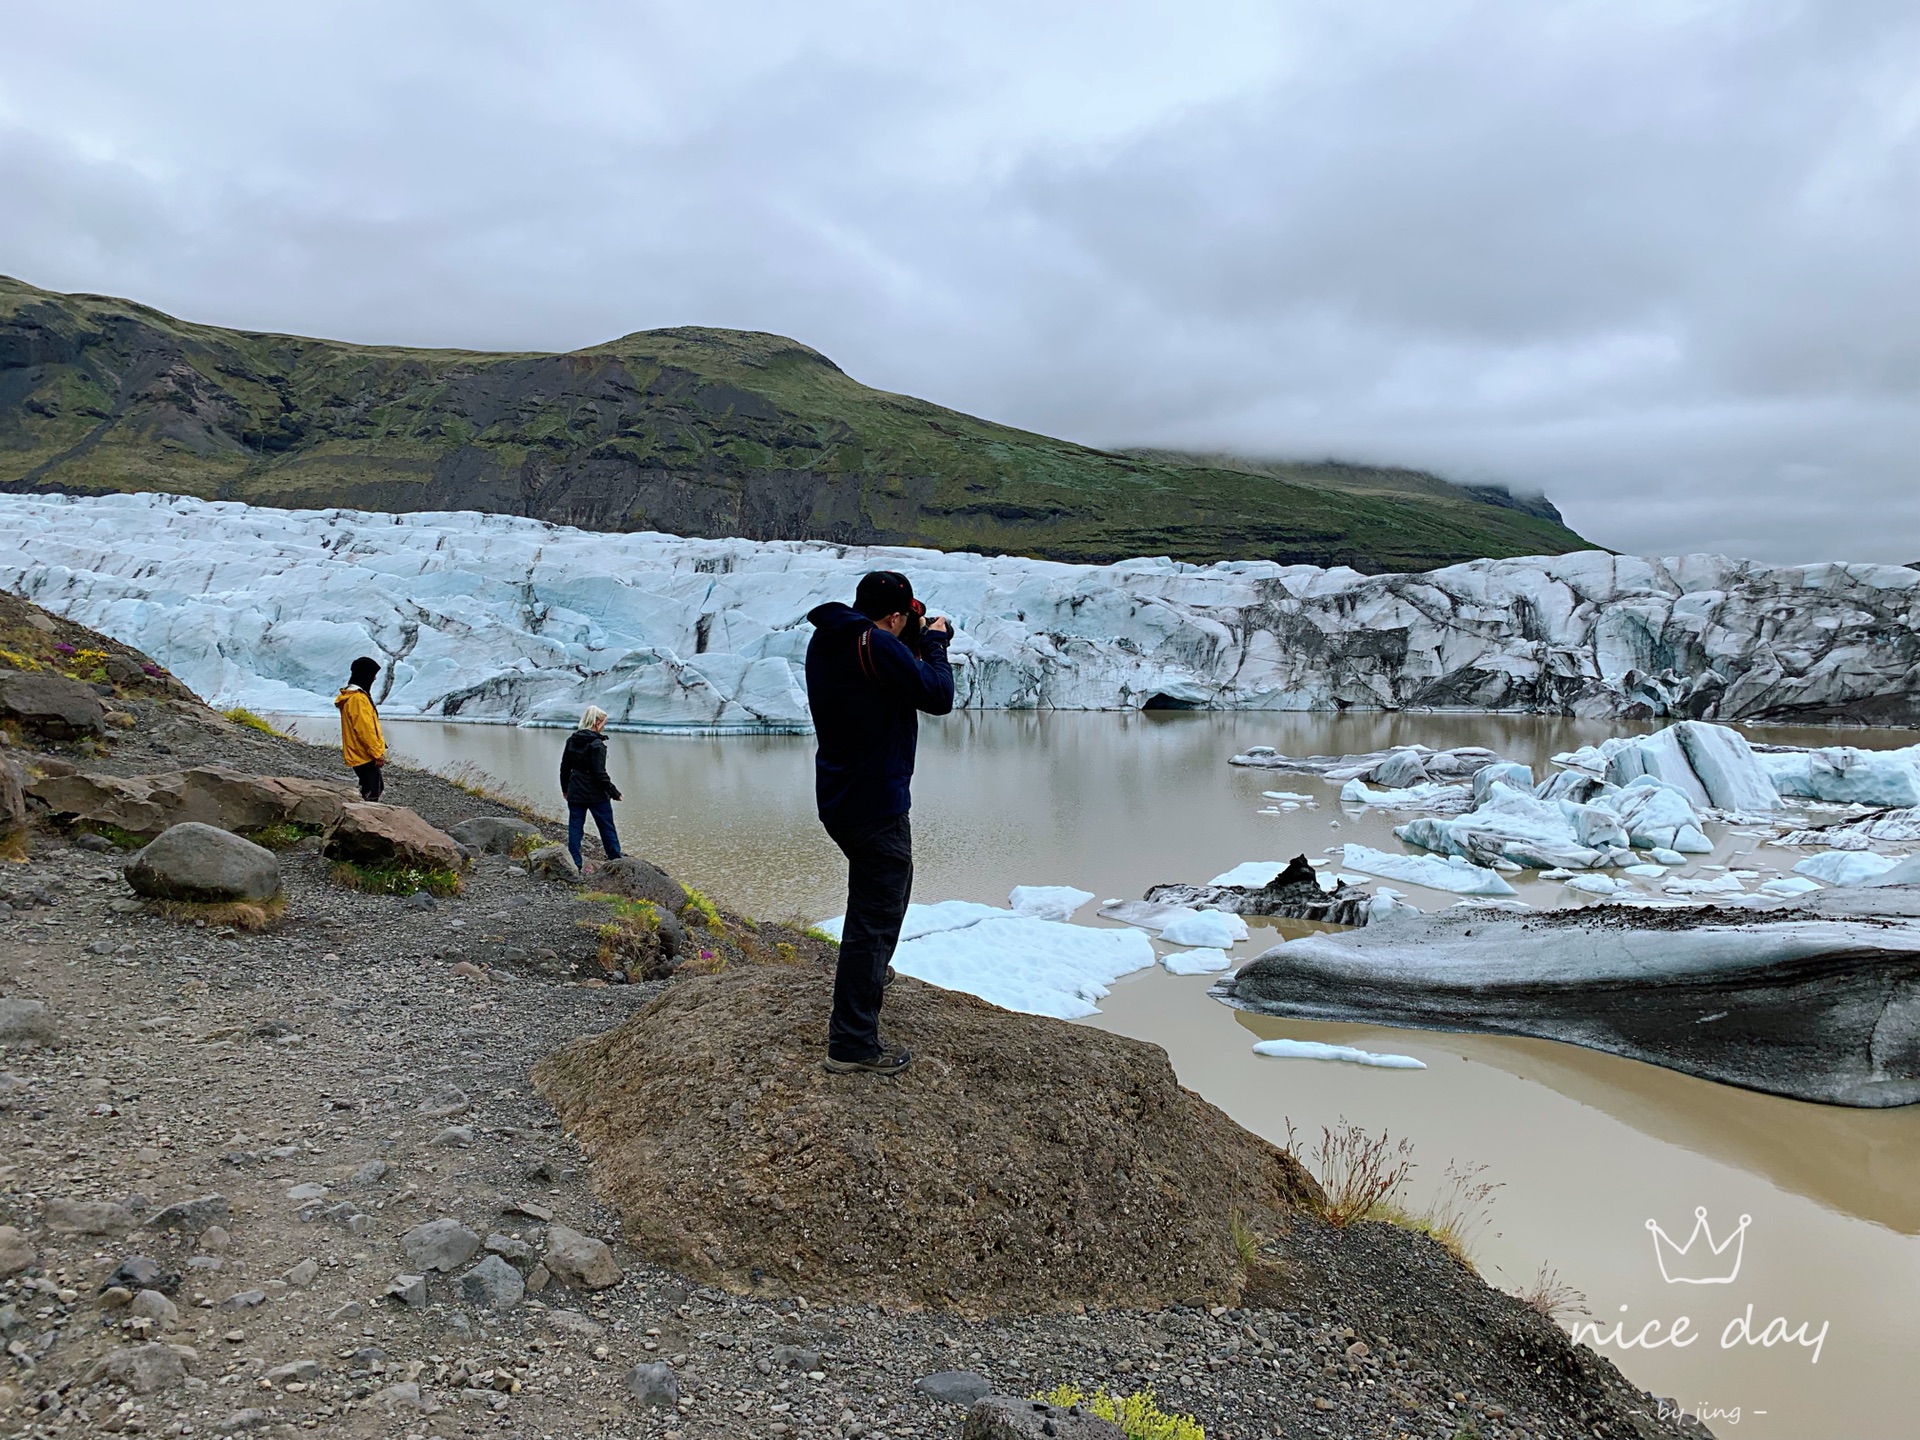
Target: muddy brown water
(1586, 1149)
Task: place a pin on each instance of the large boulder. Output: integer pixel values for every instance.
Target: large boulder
(635, 879)
(144, 805)
(1016, 1156)
(202, 863)
(495, 834)
(51, 705)
(376, 835)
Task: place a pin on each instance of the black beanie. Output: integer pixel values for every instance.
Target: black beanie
(883, 593)
(364, 672)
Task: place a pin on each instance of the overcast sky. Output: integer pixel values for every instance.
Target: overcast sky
(1660, 260)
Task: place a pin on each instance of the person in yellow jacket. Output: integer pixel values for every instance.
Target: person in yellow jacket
(362, 745)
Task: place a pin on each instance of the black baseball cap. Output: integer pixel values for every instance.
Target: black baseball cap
(883, 593)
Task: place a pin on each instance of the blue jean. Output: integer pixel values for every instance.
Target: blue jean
(577, 828)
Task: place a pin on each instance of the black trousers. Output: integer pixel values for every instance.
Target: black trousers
(372, 782)
(879, 880)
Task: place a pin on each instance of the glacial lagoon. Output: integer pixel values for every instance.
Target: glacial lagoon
(1587, 1149)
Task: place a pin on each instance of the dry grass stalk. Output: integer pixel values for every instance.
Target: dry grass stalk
(1359, 1172)
(1552, 1296)
(240, 914)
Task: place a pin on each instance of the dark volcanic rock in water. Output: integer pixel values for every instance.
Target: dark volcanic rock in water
(1019, 1163)
(1792, 1002)
(1293, 894)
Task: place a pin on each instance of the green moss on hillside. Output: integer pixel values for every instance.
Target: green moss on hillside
(690, 430)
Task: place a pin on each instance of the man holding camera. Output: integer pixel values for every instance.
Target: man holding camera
(871, 667)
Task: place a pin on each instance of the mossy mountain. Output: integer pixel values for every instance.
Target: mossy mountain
(689, 430)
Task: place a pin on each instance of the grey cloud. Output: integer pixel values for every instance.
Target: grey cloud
(1655, 259)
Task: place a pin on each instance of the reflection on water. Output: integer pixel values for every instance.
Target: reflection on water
(1587, 1147)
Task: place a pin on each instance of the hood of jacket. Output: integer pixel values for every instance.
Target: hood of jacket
(346, 690)
(581, 741)
(834, 616)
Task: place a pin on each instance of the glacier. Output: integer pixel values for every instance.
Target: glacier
(507, 619)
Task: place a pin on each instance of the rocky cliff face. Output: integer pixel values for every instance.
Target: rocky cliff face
(691, 430)
(497, 618)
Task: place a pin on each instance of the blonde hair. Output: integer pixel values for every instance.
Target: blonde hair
(591, 717)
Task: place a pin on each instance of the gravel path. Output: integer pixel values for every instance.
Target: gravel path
(362, 1070)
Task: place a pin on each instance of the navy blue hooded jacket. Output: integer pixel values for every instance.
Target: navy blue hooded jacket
(867, 727)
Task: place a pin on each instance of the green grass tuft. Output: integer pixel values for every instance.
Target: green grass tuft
(240, 715)
(284, 835)
(395, 879)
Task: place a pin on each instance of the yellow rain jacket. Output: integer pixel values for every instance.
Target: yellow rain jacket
(360, 737)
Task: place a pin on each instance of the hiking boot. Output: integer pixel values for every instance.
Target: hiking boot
(884, 1061)
(888, 978)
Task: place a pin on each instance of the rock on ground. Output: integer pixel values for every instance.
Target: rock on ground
(51, 705)
(443, 1245)
(493, 834)
(552, 862)
(379, 835)
(26, 1022)
(145, 1369)
(1019, 1154)
(216, 795)
(580, 1259)
(200, 863)
(16, 1252)
(636, 879)
(1002, 1417)
(654, 1384)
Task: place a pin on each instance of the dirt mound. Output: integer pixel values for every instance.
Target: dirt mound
(1020, 1164)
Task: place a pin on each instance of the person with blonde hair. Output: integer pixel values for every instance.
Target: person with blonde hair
(583, 780)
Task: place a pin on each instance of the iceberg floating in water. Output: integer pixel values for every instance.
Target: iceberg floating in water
(1845, 867)
(1196, 962)
(1205, 928)
(1048, 902)
(1842, 774)
(1451, 874)
(1314, 1050)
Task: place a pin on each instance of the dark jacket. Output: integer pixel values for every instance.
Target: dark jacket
(865, 724)
(583, 770)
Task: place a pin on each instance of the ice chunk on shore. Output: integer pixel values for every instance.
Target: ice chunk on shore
(1196, 962)
(1314, 1050)
(1205, 928)
(1452, 873)
(1048, 902)
(1846, 867)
